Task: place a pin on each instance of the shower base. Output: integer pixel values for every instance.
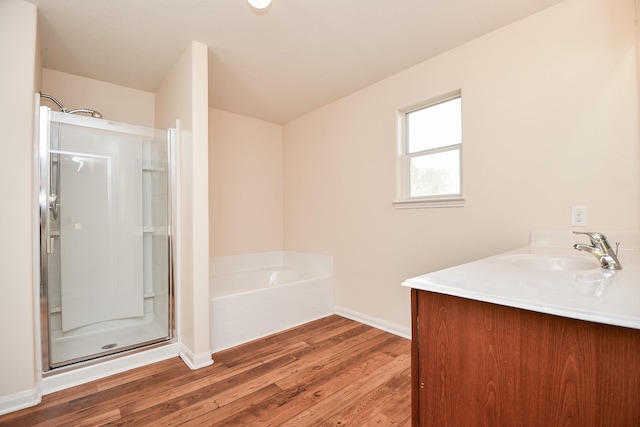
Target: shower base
(94, 344)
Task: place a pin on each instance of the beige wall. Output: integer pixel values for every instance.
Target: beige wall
(638, 46)
(550, 117)
(245, 181)
(117, 103)
(18, 22)
(183, 96)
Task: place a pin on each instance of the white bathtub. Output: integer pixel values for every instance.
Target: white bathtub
(255, 295)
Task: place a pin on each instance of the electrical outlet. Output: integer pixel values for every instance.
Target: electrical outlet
(579, 216)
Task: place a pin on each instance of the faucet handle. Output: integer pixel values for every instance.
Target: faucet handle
(595, 237)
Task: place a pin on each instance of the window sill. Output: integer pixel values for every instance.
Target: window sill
(441, 202)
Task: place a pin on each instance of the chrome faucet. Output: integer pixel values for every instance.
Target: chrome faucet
(600, 249)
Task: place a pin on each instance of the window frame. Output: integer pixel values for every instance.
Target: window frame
(403, 181)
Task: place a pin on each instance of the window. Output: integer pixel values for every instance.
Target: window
(430, 154)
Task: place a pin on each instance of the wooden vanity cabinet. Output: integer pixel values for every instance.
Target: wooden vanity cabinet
(481, 364)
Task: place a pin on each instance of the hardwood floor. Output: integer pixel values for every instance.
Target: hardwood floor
(331, 372)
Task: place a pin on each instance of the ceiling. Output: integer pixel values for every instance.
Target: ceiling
(276, 64)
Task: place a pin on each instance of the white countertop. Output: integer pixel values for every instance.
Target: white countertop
(578, 291)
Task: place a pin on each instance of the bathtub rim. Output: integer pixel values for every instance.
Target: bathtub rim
(226, 264)
(316, 276)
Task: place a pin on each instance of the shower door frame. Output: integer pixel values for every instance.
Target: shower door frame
(44, 202)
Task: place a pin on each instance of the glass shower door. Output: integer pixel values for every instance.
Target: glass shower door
(106, 287)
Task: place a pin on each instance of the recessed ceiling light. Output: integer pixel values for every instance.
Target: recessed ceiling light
(260, 4)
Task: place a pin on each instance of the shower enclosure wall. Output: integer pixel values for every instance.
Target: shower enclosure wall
(105, 227)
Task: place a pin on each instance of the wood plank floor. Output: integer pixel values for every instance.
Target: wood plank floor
(331, 372)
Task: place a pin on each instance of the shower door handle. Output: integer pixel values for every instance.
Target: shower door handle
(53, 205)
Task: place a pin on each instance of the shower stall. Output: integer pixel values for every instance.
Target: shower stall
(105, 238)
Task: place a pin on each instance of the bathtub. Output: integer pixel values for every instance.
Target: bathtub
(255, 295)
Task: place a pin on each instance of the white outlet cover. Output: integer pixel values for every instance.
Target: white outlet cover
(579, 216)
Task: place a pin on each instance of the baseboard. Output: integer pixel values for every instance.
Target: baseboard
(17, 401)
(194, 361)
(393, 328)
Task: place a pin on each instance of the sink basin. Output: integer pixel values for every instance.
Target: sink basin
(551, 262)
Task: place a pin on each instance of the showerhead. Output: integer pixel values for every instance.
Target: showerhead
(92, 113)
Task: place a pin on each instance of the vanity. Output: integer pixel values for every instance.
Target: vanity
(540, 336)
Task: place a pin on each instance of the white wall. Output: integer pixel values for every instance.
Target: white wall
(18, 50)
(550, 115)
(183, 96)
(245, 185)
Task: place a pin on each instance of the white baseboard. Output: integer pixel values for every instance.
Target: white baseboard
(17, 401)
(392, 328)
(194, 361)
